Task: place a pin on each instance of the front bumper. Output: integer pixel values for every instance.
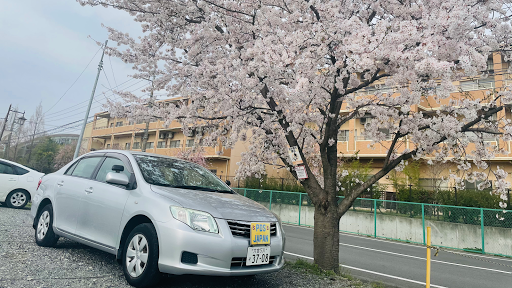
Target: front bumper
(215, 252)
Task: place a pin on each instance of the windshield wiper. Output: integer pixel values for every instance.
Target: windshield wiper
(200, 188)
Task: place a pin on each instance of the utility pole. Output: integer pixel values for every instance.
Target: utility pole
(5, 122)
(100, 65)
(146, 130)
(22, 120)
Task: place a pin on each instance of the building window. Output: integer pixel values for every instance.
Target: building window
(174, 144)
(470, 85)
(343, 135)
(476, 136)
(140, 121)
(433, 184)
(149, 145)
(161, 144)
(130, 122)
(490, 65)
(136, 145)
(190, 143)
(127, 146)
(108, 146)
(119, 124)
(111, 124)
(386, 132)
(474, 185)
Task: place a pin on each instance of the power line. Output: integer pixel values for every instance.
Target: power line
(112, 69)
(74, 81)
(58, 112)
(57, 117)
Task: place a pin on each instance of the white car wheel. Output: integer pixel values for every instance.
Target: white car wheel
(43, 225)
(137, 255)
(17, 199)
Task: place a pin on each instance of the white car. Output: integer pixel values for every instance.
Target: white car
(17, 183)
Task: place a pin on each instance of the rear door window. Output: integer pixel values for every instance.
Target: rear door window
(71, 168)
(86, 167)
(6, 169)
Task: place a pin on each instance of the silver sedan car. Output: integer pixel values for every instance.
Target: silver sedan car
(157, 214)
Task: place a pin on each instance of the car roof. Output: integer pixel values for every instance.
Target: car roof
(19, 165)
(128, 152)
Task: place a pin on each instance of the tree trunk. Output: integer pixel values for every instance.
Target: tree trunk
(326, 237)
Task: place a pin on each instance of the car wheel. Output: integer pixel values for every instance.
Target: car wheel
(44, 230)
(140, 256)
(17, 199)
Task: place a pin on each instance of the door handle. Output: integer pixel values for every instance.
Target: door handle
(12, 179)
(88, 191)
(60, 183)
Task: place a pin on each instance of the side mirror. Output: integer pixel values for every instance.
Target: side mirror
(228, 182)
(117, 178)
(118, 168)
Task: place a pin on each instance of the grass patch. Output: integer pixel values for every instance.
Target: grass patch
(473, 250)
(310, 268)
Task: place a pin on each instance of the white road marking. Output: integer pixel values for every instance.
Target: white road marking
(405, 244)
(372, 272)
(424, 259)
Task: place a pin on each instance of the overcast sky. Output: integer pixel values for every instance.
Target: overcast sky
(44, 46)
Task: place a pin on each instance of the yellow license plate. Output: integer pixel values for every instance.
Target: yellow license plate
(260, 233)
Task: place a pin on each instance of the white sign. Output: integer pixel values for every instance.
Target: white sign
(301, 172)
(294, 154)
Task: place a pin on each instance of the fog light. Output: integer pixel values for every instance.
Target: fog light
(188, 258)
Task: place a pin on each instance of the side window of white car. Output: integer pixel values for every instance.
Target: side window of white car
(86, 167)
(20, 171)
(6, 169)
(71, 168)
(106, 167)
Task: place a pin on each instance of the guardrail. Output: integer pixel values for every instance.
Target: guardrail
(480, 230)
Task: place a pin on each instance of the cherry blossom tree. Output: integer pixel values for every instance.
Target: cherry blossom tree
(283, 74)
(193, 155)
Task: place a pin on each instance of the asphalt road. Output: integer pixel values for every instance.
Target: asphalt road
(403, 265)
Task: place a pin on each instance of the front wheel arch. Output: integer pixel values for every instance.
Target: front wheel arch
(42, 204)
(132, 223)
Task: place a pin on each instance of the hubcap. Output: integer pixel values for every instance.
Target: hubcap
(43, 224)
(137, 255)
(18, 199)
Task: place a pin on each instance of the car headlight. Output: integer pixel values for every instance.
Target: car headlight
(197, 220)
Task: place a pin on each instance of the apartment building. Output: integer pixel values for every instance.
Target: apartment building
(112, 133)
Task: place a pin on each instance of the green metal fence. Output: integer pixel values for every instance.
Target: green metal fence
(486, 231)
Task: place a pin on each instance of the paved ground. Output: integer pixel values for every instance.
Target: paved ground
(24, 264)
(403, 264)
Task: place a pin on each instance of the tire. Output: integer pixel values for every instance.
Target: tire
(44, 234)
(141, 244)
(17, 199)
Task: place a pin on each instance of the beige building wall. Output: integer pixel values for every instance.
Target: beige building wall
(109, 132)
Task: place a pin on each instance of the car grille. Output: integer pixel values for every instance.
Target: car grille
(240, 261)
(243, 229)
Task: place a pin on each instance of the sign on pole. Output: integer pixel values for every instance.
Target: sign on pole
(301, 172)
(294, 154)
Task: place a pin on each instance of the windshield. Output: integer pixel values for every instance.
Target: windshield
(169, 172)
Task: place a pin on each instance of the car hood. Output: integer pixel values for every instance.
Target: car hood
(219, 205)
